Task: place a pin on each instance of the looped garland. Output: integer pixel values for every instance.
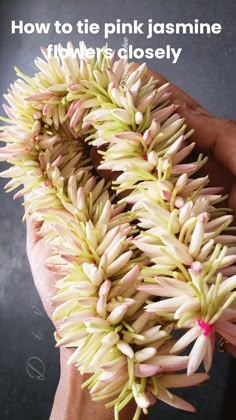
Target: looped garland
(133, 269)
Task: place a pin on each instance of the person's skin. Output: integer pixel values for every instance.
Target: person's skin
(214, 136)
(70, 402)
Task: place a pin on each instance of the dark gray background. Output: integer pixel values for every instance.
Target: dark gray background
(206, 70)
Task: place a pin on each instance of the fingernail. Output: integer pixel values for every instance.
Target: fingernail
(179, 103)
(222, 345)
(186, 107)
(196, 109)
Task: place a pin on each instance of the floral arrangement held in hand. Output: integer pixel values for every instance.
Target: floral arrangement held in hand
(140, 257)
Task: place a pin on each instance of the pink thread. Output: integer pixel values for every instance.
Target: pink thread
(205, 326)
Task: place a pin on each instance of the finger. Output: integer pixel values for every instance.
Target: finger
(212, 135)
(230, 348)
(218, 175)
(33, 227)
(178, 95)
(33, 232)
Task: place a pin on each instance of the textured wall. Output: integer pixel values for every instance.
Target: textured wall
(206, 70)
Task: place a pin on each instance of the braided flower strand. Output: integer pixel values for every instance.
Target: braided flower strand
(139, 257)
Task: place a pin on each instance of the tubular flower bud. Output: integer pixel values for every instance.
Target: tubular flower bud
(134, 258)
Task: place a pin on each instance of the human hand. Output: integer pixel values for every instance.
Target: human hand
(70, 402)
(215, 137)
(38, 253)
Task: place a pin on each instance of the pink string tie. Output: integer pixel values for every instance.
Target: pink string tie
(205, 326)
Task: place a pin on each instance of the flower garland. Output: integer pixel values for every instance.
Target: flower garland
(139, 257)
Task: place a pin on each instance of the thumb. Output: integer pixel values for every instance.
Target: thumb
(230, 348)
(215, 136)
